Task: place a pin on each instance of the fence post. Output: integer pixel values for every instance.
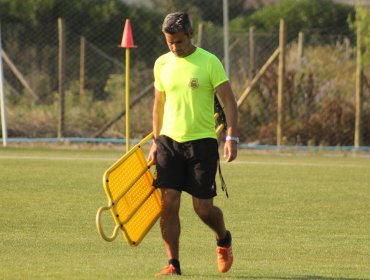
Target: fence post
(61, 68)
(300, 48)
(281, 72)
(82, 68)
(200, 34)
(18, 75)
(347, 46)
(256, 78)
(251, 52)
(359, 85)
(4, 128)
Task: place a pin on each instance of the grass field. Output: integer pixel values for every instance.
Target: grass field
(291, 216)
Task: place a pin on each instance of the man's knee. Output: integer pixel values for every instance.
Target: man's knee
(203, 208)
(170, 202)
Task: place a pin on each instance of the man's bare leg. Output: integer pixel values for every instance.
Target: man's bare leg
(210, 215)
(213, 217)
(170, 222)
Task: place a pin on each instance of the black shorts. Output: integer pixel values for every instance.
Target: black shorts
(189, 166)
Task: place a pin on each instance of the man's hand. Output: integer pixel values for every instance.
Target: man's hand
(230, 150)
(231, 111)
(152, 153)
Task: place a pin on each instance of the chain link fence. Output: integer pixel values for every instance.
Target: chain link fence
(318, 98)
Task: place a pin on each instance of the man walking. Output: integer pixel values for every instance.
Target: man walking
(185, 149)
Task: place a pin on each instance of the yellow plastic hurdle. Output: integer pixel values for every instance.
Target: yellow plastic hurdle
(132, 200)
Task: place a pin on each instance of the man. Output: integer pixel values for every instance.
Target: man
(185, 148)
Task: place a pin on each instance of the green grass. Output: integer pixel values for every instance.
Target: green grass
(291, 216)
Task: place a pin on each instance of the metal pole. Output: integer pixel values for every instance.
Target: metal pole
(2, 99)
(127, 99)
(226, 36)
(127, 43)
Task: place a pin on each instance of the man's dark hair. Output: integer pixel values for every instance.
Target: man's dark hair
(177, 22)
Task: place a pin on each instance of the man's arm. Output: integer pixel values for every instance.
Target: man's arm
(158, 111)
(231, 111)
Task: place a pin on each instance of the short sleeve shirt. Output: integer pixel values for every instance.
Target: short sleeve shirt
(189, 85)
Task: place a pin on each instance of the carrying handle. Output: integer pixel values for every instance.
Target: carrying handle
(99, 227)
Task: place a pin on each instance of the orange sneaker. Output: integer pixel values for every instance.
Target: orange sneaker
(169, 270)
(224, 258)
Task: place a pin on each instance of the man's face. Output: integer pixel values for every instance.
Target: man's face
(179, 43)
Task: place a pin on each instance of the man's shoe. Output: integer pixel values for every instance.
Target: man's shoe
(224, 258)
(169, 270)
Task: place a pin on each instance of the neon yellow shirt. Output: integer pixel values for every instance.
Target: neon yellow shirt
(189, 84)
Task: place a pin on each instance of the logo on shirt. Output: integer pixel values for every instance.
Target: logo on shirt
(193, 83)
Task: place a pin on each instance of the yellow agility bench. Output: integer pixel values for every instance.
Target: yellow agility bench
(132, 200)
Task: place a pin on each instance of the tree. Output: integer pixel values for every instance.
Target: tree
(319, 17)
(29, 31)
(205, 10)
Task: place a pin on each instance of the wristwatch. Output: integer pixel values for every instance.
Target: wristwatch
(232, 138)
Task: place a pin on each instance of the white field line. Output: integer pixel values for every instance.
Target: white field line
(57, 158)
(237, 162)
(307, 164)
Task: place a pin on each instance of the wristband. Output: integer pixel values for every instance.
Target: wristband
(232, 138)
